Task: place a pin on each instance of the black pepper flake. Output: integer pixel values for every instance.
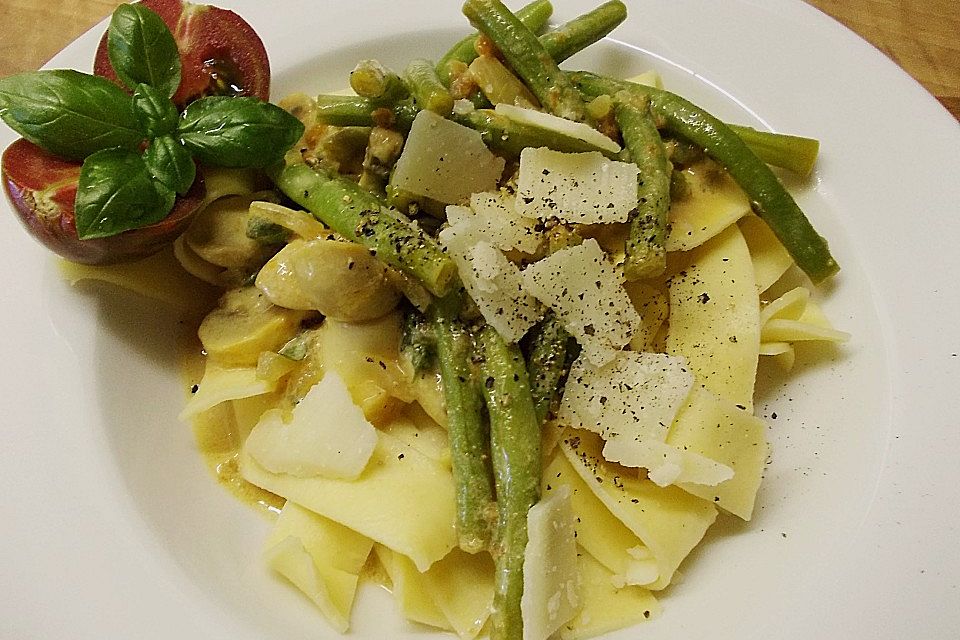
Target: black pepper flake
(194, 388)
(400, 457)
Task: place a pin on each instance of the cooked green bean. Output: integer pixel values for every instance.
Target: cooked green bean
(579, 33)
(795, 153)
(528, 58)
(428, 92)
(360, 216)
(469, 437)
(370, 79)
(546, 362)
(515, 449)
(769, 198)
(508, 137)
(352, 111)
(534, 15)
(418, 342)
(646, 254)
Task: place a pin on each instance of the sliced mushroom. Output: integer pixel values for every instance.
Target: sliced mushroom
(339, 279)
(219, 234)
(244, 325)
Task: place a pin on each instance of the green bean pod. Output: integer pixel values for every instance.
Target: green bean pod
(646, 254)
(528, 58)
(534, 16)
(428, 92)
(370, 79)
(546, 363)
(579, 33)
(360, 216)
(469, 437)
(794, 153)
(515, 450)
(353, 111)
(768, 197)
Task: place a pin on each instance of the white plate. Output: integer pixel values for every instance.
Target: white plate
(112, 528)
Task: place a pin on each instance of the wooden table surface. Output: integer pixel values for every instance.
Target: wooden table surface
(922, 36)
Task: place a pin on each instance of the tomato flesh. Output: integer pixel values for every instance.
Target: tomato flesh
(43, 189)
(220, 53)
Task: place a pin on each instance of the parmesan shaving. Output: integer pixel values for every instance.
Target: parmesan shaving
(582, 188)
(550, 575)
(559, 125)
(445, 161)
(327, 435)
(493, 282)
(631, 402)
(587, 294)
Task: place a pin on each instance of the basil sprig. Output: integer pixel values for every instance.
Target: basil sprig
(138, 151)
(68, 113)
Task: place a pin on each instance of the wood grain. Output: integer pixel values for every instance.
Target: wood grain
(919, 35)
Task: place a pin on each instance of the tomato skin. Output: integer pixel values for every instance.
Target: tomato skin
(42, 189)
(220, 53)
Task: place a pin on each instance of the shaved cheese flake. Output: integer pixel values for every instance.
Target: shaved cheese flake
(631, 402)
(559, 125)
(587, 294)
(550, 575)
(445, 161)
(327, 435)
(634, 398)
(504, 226)
(493, 282)
(581, 188)
(491, 217)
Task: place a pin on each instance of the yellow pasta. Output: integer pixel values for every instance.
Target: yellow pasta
(403, 499)
(322, 558)
(410, 592)
(770, 259)
(668, 520)
(599, 532)
(717, 429)
(714, 317)
(607, 607)
(221, 383)
(713, 204)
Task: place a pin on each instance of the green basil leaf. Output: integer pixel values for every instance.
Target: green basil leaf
(68, 113)
(155, 112)
(142, 49)
(170, 163)
(238, 132)
(116, 193)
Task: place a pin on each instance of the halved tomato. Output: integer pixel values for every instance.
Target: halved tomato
(43, 188)
(220, 52)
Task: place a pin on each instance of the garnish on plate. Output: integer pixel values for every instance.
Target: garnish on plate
(139, 148)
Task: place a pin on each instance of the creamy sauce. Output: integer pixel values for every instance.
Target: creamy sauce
(217, 436)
